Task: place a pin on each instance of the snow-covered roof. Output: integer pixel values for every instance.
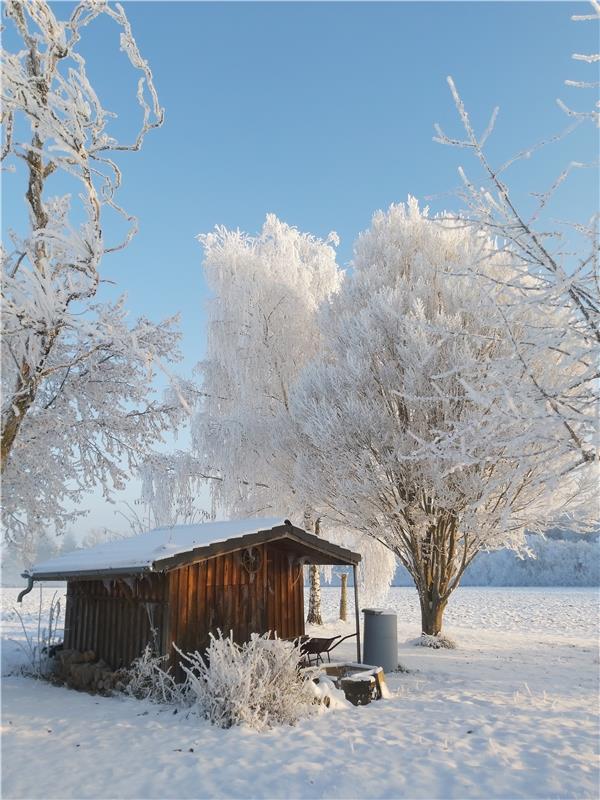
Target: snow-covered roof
(141, 552)
(156, 549)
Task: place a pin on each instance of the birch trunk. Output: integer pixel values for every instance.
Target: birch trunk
(344, 598)
(314, 599)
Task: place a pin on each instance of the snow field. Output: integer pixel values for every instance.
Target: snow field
(512, 713)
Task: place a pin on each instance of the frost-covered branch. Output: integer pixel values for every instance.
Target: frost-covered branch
(77, 404)
(553, 266)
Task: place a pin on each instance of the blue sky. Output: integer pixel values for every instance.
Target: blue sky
(321, 113)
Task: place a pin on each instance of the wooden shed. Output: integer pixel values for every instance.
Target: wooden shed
(179, 584)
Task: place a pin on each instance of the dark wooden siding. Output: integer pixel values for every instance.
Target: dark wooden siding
(115, 618)
(285, 594)
(220, 594)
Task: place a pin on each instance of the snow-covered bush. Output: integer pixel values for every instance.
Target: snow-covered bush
(147, 679)
(258, 683)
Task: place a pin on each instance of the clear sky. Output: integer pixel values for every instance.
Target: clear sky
(321, 113)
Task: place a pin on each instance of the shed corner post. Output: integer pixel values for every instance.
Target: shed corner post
(356, 613)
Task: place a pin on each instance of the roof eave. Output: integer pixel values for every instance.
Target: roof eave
(87, 573)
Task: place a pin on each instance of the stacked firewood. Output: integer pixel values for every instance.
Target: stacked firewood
(81, 670)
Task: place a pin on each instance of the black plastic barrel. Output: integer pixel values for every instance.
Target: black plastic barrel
(380, 647)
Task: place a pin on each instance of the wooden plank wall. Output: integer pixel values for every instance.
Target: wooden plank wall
(216, 594)
(114, 618)
(285, 594)
(221, 594)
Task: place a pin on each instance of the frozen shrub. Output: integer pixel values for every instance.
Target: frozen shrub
(40, 644)
(147, 680)
(258, 683)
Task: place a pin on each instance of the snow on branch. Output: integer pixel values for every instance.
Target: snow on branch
(555, 268)
(77, 407)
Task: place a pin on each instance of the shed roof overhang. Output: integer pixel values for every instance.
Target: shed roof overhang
(305, 546)
(311, 548)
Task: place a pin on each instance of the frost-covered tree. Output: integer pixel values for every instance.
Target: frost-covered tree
(171, 485)
(562, 256)
(96, 536)
(261, 332)
(77, 407)
(400, 337)
(34, 548)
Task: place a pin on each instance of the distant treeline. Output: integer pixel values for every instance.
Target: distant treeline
(557, 562)
(563, 558)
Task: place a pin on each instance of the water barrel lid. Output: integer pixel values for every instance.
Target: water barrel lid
(380, 611)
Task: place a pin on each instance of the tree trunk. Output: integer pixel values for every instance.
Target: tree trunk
(344, 598)
(24, 395)
(13, 418)
(432, 613)
(314, 600)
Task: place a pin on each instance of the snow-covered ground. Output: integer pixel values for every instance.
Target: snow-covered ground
(511, 713)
